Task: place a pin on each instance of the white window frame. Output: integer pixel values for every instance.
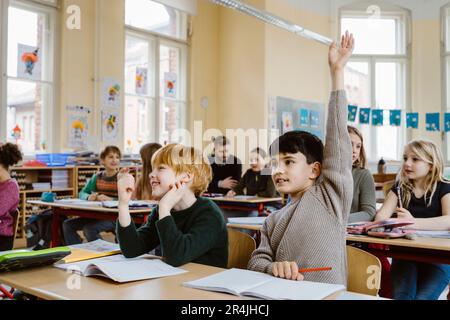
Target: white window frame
(50, 114)
(158, 41)
(373, 59)
(445, 66)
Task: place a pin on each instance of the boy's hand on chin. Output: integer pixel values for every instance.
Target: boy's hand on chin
(171, 198)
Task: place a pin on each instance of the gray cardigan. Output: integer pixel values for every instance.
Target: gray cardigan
(363, 205)
(312, 230)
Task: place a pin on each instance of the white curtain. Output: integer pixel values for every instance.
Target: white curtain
(188, 6)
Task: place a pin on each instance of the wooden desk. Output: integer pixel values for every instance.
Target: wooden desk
(251, 204)
(431, 250)
(99, 213)
(50, 283)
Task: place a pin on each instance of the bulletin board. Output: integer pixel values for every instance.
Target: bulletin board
(287, 114)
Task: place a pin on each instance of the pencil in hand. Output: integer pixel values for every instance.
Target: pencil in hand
(314, 269)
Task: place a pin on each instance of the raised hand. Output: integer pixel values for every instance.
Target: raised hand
(125, 185)
(338, 57)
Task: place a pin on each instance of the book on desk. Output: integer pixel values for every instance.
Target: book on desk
(261, 285)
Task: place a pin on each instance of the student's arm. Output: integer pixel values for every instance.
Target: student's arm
(337, 163)
(180, 248)
(435, 224)
(388, 208)
(367, 199)
(9, 199)
(89, 188)
(134, 243)
(239, 189)
(263, 258)
(270, 191)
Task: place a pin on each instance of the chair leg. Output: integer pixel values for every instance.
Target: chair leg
(5, 293)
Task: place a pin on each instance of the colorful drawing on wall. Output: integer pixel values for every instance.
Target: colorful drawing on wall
(170, 85)
(287, 122)
(395, 117)
(447, 122)
(16, 133)
(111, 93)
(352, 111)
(364, 115)
(432, 121)
(78, 130)
(304, 117)
(141, 80)
(314, 122)
(377, 117)
(412, 120)
(110, 125)
(28, 62)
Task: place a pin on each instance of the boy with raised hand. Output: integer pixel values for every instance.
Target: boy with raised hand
(310, 232)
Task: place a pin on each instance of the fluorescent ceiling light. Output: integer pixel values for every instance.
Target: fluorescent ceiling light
(273, 20)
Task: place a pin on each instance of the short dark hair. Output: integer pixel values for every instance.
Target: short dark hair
(110, 149)
(259, 151)
(221, 141)
(10, 155)
(299, 141)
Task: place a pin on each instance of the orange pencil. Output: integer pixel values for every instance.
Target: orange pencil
(314, 269)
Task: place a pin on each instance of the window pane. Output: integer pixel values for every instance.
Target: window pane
(373, 36)
(172, 118)
(27, 41)
(139, 71)
(27, 105)
(390, 93)
(155, 17)
(139, 123)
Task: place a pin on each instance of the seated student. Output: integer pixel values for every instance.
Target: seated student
(254, 181)
(143, 189)
(188, 228)
(364, 200)
(101, 187)
(425, 198)
(226, 168)
(310, 232)
(9, 194)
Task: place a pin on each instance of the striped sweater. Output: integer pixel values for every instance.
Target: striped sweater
(101, 184)
(312, 230)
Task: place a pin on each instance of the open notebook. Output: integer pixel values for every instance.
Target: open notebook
(121, 269)
(260, 285)
(95, 249)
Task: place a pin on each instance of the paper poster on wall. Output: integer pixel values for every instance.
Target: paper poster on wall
(304, 118)
(78, 130)
(141, 81)
(170, 85)
(28, 62)
(314, 122)
(110, 125)
(447, 122)
(412, 120)
(287, 122)
(273, 121)
(364, 114)
(111, 93)
(352, 111)
(432, 121)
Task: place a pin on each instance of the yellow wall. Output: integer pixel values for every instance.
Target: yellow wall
(86, 60)
(426, 95)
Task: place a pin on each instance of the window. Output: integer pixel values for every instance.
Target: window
(28, 59)
(155, 73)
(377, 75)
(446, 66)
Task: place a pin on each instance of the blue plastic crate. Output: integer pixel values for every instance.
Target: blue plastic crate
(53, 159)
